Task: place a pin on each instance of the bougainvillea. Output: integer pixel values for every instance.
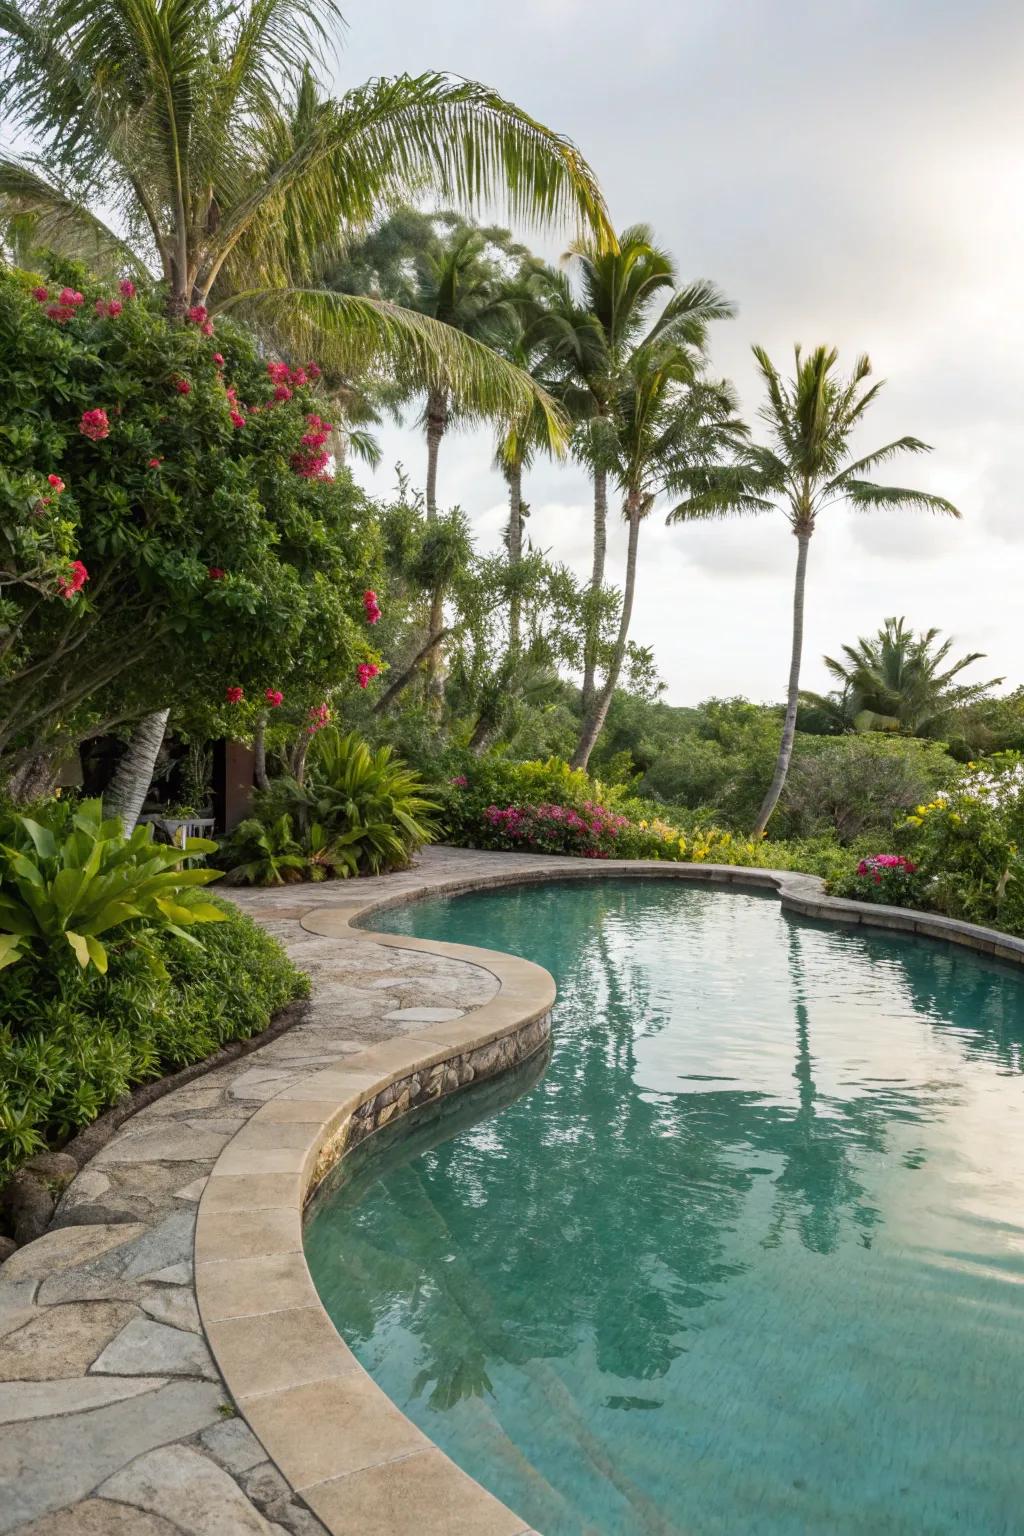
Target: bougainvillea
(158, 503)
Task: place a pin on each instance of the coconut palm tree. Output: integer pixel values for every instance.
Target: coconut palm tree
(808, 468)
(202, 129)
(897, 680)
(665, 419)
(593, 332)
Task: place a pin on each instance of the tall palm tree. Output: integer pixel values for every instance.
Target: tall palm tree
(203, 130)
(528, 300)
(897, 680)
(666, 418)
(808, 468)
(604, 317)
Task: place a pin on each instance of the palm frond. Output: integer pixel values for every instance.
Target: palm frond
(353, 332)
(864, 496)
(60, 221)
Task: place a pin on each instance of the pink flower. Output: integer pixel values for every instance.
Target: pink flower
(365, 671)
(62, 313)
(237, 419)
(234, 695)
(309, 465)
(71, 297)
(274, 697)
(207, 328)
(277, 373)
(56, 482)
(371, 607)
(460, 781)
(319, 716)
(215, 573)
(76, 579)
(94, 424)
(197, 315)
(282, 392)
(313, 370)
(218, 359)
(111, 307)
(41, 294)
(183, 386)
(153, 463)
(127, 288)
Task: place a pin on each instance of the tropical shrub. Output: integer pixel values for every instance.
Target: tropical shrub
(968, 841)
(73, 1040)
(888, 879)
(168, 533)
(359, 811)
(853, 786)
(590, 833)
(65, 889)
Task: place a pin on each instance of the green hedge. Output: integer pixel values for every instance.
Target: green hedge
(73, 1041)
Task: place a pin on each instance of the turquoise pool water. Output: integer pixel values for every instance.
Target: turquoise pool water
(745, 1260)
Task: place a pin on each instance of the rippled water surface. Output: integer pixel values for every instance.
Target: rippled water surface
(747, 1258)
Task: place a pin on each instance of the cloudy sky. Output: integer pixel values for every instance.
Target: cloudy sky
(849, 172)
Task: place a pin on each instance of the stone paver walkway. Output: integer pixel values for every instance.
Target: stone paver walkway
(113, 1416)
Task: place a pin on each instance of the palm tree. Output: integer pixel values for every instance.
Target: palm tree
(592, 337)
(808, 468)
(202, 128)
(897, 680)
(665, 419)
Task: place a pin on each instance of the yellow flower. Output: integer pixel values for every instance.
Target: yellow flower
(913, 821)
(643, 826)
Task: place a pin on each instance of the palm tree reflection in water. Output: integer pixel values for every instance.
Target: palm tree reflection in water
(589, 1296)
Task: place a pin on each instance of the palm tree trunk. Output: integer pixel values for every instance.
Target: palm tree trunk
(593, 720)
(596, 583)
(437, 422)
(127, 790)
(259, 748)
(514, 474)
(771, 799)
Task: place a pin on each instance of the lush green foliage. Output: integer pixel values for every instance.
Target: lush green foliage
(214, 557)
(74, 1041)
(897, 680)
(357, 812)
(965, 847)
(68, 887)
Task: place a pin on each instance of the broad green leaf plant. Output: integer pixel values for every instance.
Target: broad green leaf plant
(90, 886)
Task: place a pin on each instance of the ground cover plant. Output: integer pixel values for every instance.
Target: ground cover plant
(133, 992)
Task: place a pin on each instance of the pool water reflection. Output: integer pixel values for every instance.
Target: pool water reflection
(747, 1258)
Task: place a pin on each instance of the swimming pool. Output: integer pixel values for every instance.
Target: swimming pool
(746, 1257)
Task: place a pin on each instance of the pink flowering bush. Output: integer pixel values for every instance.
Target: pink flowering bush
(191, 549)
(886, 878)
(589, 833)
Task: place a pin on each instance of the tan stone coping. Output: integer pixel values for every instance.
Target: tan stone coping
(358, 1462)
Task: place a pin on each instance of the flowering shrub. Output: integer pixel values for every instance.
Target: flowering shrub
(590, 833)
(885, 878)
(548, 807)
(186, 553)
(968, 840)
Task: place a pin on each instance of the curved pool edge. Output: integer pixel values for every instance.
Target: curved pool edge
(280, 1356)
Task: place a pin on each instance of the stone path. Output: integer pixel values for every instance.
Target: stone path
(113, 1417)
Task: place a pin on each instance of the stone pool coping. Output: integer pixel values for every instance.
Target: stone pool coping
(341, 1443)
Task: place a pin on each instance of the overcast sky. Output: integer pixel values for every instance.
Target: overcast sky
(849, 172)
